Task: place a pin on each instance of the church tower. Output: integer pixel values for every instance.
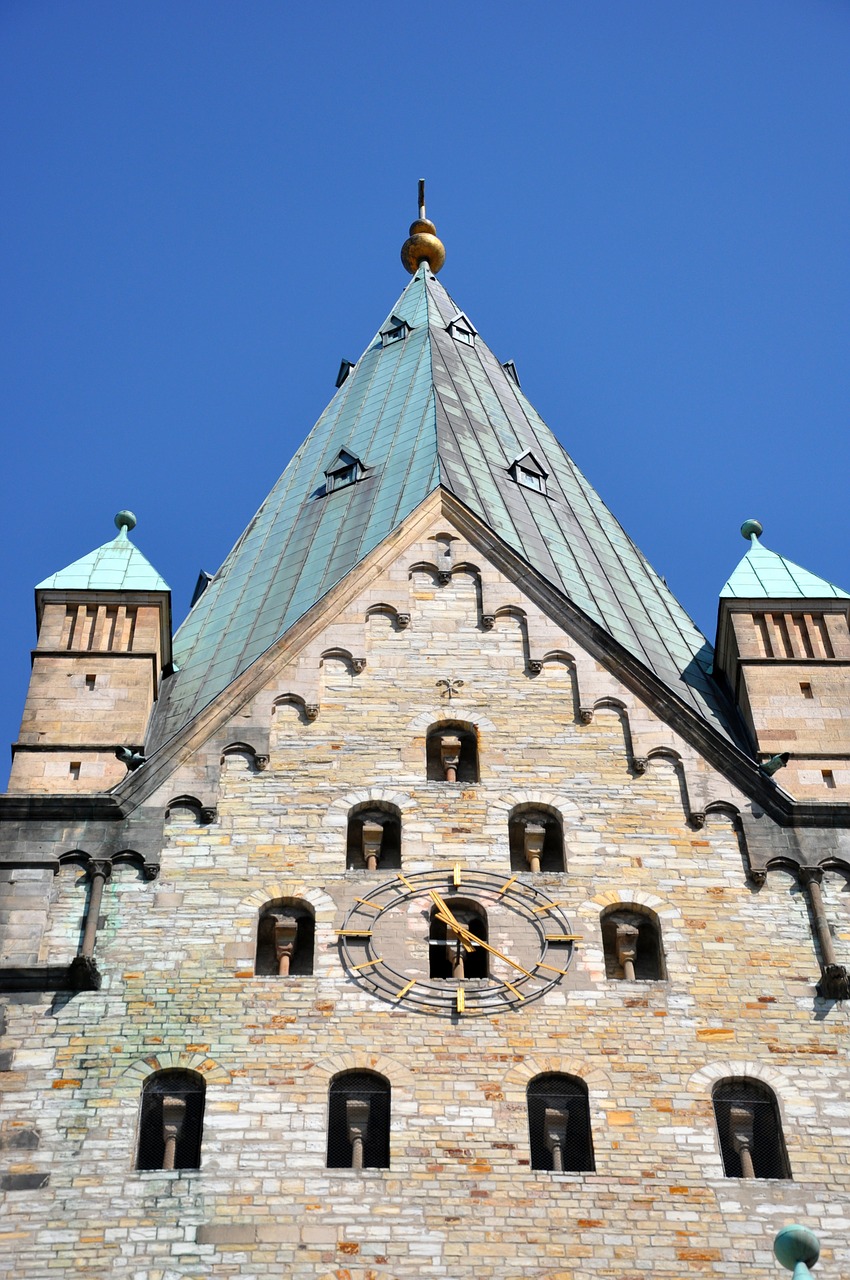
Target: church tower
(434, 904)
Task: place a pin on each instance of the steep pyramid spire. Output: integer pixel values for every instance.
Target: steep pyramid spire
(429, 405)
(765, 575)
(116, 566)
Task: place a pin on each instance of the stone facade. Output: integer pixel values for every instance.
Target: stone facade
(250, 806)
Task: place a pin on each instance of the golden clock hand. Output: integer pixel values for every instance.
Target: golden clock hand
(444, 914)
(486, 945)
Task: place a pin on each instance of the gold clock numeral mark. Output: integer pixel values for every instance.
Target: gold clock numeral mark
(456, 875)
(552, 968)
(367, 964)
(406, 988)
(354, 933)
(510, 986)
(508, 884)
(550, 906)
(461, 1000)
(364, 902)
(561, 937)
(404, 880)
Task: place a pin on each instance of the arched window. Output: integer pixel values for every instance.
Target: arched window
(447, 956)
(171, 1121)
(559, 1124)
(374, 839)
(749, 1130)
(631, 940)
(359, 1121)
(451, 751)
(285, 939)
(536, 837)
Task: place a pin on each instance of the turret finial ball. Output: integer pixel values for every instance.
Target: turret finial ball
(796, 1244)
(750, 527)
(125, 520)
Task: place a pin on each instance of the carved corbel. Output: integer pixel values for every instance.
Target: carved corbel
(311, 710)
(488, 621)
(358, 665)
(444, 577)
(585, 715)
(402, 620)
(535, 666)
(640, 764)
(697, 819)
(150, 870)
(209, 812)
(261, 763)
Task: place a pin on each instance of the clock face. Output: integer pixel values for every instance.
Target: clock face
(458, 942)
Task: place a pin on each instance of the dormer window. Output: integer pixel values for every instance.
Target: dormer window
(346, 469)
(395, 330)
(462, 330)
(528, 472)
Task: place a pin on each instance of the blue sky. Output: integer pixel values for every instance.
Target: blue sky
(644, 204)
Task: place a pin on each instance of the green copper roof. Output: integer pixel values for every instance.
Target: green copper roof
(764, 575)
(116, 566)
(425, 410)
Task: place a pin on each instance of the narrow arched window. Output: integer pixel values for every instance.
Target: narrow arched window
(285, 939)
(559, 1124)
(171, 1121)
(374, 839)
(749, 1130)
(359, 1121)
(451, 751)
(536, 837)
(450, 956)
(631, 941)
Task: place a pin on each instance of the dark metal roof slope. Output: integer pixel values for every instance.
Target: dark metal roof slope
(426, 410)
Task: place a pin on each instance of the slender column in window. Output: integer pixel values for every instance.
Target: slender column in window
(173, 1119)
(533, 838)
(627, 941)
(450, 757)
(357, 1123)
(741, 1120)
(285, 937)
(373, 835)
(555, 1122)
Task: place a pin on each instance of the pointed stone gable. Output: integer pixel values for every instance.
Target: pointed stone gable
(427, 406)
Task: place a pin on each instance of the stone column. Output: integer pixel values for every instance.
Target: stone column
(834, 982)
(99, 870)
(373, 835)
(173, 1119)
(555, 1123)
(450, 756)
(285, 938)
(627, 940)
(741, 1133)
(357, 1122)
(533, 837)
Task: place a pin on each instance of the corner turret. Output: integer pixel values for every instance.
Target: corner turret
(104, 640)
(783, 645)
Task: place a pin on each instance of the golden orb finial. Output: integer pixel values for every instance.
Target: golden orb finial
(422, 244)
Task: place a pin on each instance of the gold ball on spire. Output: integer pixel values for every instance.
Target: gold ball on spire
(423, 244)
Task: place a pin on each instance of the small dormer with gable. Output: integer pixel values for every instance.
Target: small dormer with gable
(461, 328)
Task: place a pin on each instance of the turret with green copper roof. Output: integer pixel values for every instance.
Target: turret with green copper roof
(783, 645)
(104, 642)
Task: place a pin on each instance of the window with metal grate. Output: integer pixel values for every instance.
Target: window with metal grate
(559, 1125)
(749, 1130)
(171, 1121)
(359, 1121)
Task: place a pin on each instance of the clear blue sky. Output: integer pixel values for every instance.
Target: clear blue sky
(644, 204)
